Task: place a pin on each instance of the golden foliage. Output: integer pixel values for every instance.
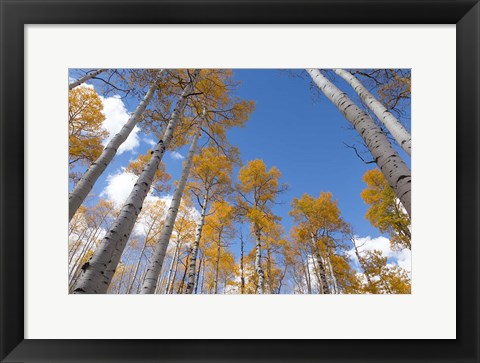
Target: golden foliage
(386, 212)
(161, 177)
(85, 132)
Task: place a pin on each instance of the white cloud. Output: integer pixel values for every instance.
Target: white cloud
(149, 142)
(119, 187)
(86, 85)
(176, 156)
(402, 258)
(116, 115)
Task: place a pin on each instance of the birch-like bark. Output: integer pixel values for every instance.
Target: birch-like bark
(217, 265)
(392, 166)
(87, 246)
(161, 248)
(396, 129)
(321, 267)
(323, 275)
(72, 251)
(98, 272)
(172, 264)
(203, 276)
(258, 262)
(174, 277)
(88, 180)
(85, 78)
(242, 273)
(307, 276)
(196, 243)
(180, 287)
(137, 266)
(198, 275)
(332, 273)
(269, 271)
(316, 269)
(361, 261)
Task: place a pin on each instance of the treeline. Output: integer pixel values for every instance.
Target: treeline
(153, 244)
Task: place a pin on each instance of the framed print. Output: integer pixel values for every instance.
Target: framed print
(309, 271)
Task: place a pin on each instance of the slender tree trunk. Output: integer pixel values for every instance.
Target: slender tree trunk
(323, 275)
(360, 261)
(89, 243)
(140, 282)
(258, 262)
(161, 247)
(316, 269)
(196, 243)
(269, 271)
(172, 283)
(392, 166)
(73, 250)
(203, 276)
(86, 183)
(321, 268)
(85, 78)
(101, 267)
(198, 274)
(79, 244)
(280, 282)
(399, 133)
(180, 287)
(76, 266)
(307, 276)
(137, 265)
(332, 273)
(217, 264)
(242, 271)
(170, 272)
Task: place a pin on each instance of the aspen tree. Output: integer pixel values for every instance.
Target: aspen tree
(258, 189)
(386, 212)
(88, 180)
(99, 271)
(85, 78)
(396, 129)
(156, 263)
(210, 182)
(392, 166)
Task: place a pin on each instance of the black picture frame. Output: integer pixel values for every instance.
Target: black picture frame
(15, 14)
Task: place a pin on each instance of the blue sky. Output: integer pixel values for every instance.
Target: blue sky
(294, 129)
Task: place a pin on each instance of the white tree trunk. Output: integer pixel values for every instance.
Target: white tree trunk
(217, 266)
(332, 273)
(242, 273)
(174, 277)
(392, 166)
(322, 278)
(196, 243)
(98, 272)
(307, 276)
(198, 275)
(137, 266)
(399, 133)
(258, 263)
(85, 78)
(172, 264)
(88, 180)
(161, 248)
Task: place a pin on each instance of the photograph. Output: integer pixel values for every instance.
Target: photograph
(239, 181)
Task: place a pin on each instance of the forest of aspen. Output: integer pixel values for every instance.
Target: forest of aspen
(239, 181)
